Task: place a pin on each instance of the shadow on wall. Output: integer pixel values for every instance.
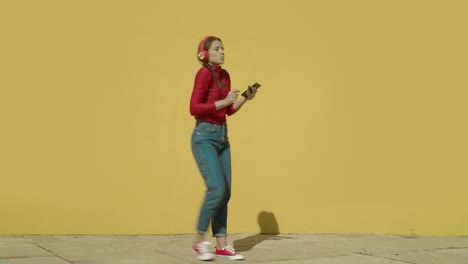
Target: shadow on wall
(269, 230)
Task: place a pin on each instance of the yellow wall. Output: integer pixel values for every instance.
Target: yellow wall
(360, 126)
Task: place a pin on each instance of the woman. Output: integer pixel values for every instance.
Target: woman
(212, 99)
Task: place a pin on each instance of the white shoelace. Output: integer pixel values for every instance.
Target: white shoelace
(230, 250)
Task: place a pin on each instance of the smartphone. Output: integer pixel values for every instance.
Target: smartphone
(255, 85)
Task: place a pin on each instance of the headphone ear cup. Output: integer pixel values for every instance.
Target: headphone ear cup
(203, 55)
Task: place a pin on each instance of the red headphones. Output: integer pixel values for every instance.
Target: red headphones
(202, 53)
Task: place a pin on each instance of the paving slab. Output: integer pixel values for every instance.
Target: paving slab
(447, 256)
(352, 259)
(38, 260)
(15, 240)
(455, 252)
(21, 250)
(257, 248)
(133, 250)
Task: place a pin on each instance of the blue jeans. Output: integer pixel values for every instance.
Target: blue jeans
(212, 153)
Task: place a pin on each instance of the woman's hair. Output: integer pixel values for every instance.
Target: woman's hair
(205, 63)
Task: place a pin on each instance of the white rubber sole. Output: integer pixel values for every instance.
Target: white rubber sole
(236, 257)
(204, 257)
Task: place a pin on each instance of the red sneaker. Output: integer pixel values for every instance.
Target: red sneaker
(228, 252)
(202, 251)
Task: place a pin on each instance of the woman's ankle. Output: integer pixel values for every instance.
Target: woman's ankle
(221, 242)
(199, 238)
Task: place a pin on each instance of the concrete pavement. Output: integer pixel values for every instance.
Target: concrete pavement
(258, 248)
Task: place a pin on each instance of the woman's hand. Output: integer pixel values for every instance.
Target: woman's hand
(251, 95)
(231, 96)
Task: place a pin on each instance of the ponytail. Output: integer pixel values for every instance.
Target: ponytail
(218, 82)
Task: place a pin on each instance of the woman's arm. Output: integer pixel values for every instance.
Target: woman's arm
(222, 104)
(237, 105)
(228, 100)
(198, 106)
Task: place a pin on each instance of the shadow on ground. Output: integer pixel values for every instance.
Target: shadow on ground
(269, 230)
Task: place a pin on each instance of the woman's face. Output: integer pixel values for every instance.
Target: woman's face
(216, 52)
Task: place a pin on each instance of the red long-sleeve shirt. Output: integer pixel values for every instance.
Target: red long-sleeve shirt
(206, 92)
